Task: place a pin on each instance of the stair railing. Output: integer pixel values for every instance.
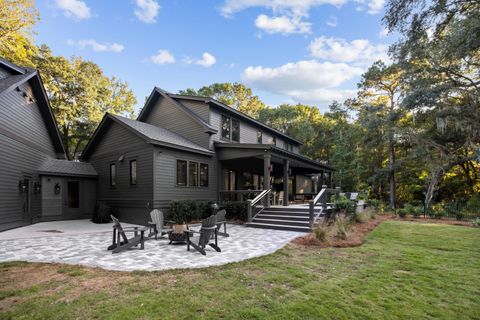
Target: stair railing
(253, 209)
(322, 197)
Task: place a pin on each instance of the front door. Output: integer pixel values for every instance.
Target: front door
(71, 199)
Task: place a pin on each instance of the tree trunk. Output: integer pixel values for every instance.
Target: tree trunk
(391, 169)
(66, 140)
(437, 175)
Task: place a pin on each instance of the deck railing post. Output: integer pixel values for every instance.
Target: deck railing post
(249, 210)
(311, 207)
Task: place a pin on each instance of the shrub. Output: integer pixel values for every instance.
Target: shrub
(415, 211)
(402, 213)
(235, 210)
(476, 222)
(184, 211)
(363, 217)
(459, 215)
(375, 203)
(321, 232)
(102, 213)
(343, 204)
(342, 226)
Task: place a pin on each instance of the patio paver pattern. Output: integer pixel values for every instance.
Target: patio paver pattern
(91, 250)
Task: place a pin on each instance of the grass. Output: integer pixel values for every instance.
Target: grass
(404, 270)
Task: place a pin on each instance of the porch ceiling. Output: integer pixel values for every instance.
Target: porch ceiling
(302, 164)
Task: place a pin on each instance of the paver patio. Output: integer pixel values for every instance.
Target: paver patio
(89, 248)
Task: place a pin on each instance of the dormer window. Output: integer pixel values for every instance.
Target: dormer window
(274, 141)
(226, 128)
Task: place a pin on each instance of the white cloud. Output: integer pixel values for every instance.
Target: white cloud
(95, 46)
(295, 7)
(359, 52)
(163, 57)
(307, 81)
(383, 33)
(332, 21)
(76, 9)
(282, 24)
(147, 10)
(375, 6)
(206, 61)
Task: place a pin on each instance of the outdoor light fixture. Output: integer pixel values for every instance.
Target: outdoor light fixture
(23, 186)
(270, 167)
(56, 188)
(121, 158)
(289, 171)
(37, 187)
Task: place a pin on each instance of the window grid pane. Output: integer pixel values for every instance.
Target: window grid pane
(133, 172)
(203, 175)
(225, 128)
(259, 136)
(235, 130)
(193, 174)
(113, 177)
(181, 172)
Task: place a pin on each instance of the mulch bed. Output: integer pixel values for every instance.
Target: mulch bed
(358, 232)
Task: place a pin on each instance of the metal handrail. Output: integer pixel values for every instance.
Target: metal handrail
(322, 195)
(252, 203)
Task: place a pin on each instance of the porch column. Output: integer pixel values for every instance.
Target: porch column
(266, 171)
(286, 167)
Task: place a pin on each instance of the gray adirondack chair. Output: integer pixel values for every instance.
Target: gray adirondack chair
(221, 219)
(157, 225)
(200, 239)
(121, 241)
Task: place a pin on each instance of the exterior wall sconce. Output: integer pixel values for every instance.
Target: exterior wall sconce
(121, 158)
(37, 187)
(56, 188)
(23, 186)
(270, 167)
(289, 171)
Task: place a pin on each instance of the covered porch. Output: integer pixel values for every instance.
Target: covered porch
(245, 170)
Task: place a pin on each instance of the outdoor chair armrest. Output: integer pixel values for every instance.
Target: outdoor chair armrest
(169, 221)
(191, 231)
(133, 229)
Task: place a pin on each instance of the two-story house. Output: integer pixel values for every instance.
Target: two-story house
(185, 147)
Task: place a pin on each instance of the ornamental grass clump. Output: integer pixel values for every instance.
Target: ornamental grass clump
(342, 226)
(321, 232)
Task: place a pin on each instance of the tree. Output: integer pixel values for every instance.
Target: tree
(378, 96)
(235, 95)
(440, 55)
(17, 18)
(80, 94)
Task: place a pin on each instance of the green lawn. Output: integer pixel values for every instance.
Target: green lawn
(404, 270)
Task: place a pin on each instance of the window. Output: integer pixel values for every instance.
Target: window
(73, 194)
(259, 136)
(203, 175)
(193, 174)
(288, 146)
(113, 177)
(133, 172)
(274, 141)
(226, 128)
(235, 130)
(181, 173)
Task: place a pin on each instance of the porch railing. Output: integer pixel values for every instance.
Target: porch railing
(252, 204)
(323, 198)
(238, 195)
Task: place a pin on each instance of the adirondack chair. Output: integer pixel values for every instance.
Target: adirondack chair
(222, 220)
(119, 235)
(200, 239)
(157, 225)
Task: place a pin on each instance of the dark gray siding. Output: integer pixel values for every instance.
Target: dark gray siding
(167, 115)
(130, 203)
(17, 161)
(4, 73)
(200, 108)
(166, 189)
(23, 118)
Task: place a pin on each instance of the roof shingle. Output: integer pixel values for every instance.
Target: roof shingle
(67, 168)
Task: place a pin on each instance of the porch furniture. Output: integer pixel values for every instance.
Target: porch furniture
(221, 219)
(119, 234)
(157, 225)
(199, 239)
(280, 198)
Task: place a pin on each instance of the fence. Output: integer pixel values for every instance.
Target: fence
(457, 210)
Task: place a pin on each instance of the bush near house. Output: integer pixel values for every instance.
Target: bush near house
(102, 213)
(185, 211)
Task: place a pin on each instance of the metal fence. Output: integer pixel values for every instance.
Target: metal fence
(457, 210)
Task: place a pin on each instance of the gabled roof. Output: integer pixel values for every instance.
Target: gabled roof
(22, 75)
(153, 98)
(58, 167)
(150, 133)
(224, 108)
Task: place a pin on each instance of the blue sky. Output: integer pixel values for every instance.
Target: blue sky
(288, 51)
